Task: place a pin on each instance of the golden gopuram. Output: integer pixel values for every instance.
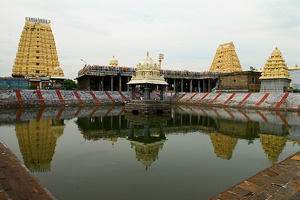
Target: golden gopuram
(275, 76)
(226, 59)
(36, 54)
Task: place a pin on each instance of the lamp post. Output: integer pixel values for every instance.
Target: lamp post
(161, 57)
(83, 61)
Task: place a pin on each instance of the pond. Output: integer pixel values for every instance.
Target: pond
(103, 153)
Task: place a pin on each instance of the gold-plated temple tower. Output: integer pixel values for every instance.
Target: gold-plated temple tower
(275, 77)
(37, 51)
(226, 59)
(275, 67)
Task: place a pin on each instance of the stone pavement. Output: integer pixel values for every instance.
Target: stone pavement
(279, 181)
(16, 181)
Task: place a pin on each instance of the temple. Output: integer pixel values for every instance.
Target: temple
(37, 56)
(226, 59)
(147, 78)
(114, 77)
(275, 76)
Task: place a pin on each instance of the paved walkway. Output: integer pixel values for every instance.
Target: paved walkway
(16, 181)
(280, 181)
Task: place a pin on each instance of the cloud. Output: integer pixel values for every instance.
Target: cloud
(187, 32)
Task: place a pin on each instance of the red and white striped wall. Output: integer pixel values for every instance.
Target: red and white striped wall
(60, 97)
(288, 101)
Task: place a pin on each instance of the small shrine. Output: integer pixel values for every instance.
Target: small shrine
(113, 62)
(275, 76)
(147, 77)
(57, 79)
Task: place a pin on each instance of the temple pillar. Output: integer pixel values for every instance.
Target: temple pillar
(198, 89)
(191, 85)
(132, 91)
(204, 85)
(99, 82)
(174, 85)
(162, 92)
(147, 91)
(167, 82)
(102, 83)
(181, 85)
(111, 83)
(120, 83)
(127, 84)
(209, 85)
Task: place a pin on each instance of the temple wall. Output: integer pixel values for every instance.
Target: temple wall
(280, 101)
(10, 83)
(277, 101)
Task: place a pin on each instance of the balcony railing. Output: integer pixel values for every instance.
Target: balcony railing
(131, 70)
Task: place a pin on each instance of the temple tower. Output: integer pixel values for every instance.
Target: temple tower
(37, 51)
(226, 59)
(275, 77)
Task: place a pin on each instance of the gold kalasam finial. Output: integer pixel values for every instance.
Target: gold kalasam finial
(113, 56)
(147, 53)
(276, 48)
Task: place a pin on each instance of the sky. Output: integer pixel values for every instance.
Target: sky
(186, 32)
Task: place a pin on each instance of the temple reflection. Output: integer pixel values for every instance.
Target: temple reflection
(146, 142)
(223, 145)
(37, 141)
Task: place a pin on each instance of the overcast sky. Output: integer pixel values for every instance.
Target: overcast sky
(186, 32)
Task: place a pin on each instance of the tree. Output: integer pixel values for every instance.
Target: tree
(70, 84)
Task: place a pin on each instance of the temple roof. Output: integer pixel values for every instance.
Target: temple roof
(57, 73)
(113, 61)
(148, 72)
(275, 67)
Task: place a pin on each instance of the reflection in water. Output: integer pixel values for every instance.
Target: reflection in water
(147, 133)
(148, 143)
(223, 145)
(224, 133)
(273, 145)
(37, 141)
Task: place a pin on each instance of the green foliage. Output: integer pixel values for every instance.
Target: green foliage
(252, 68)
(296, 91)
(33, 87)
(70, 84)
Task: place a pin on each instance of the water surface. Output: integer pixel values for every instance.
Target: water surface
(104, 153)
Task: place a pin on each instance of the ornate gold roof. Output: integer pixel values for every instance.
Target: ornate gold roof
(113, 62)
(148, 72)
(57, 73)
(226, 59)
(275, 67)
(37, 53)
